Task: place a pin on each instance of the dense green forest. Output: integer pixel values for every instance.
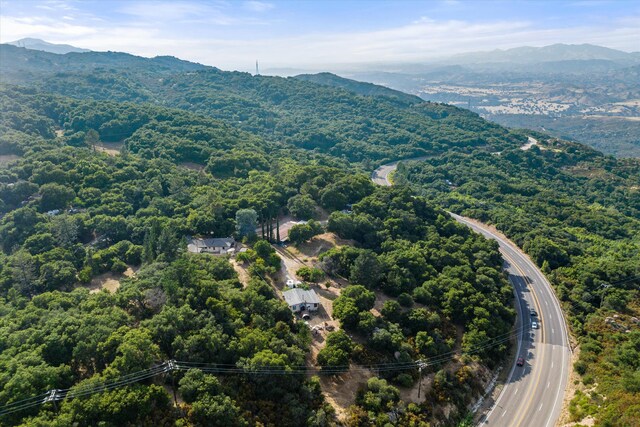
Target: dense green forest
(445, 279)
(577, 214)
(336, 121)
(71, 212)
(207, 152)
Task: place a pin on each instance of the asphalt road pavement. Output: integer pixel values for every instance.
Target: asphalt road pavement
(533, 393)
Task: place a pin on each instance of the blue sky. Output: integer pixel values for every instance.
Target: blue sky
(233, 34)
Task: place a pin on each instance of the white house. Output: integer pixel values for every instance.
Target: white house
(299, 300)
(211, 245)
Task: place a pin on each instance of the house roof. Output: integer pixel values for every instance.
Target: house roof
(297, 296)
(211, 242)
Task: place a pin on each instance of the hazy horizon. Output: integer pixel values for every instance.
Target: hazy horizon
(308, 35)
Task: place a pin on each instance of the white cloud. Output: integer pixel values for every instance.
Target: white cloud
(15, 28)
(146, 11)
(257, 6)
(190, 30)
(55, 5)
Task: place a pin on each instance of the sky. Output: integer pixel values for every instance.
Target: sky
(310, 34)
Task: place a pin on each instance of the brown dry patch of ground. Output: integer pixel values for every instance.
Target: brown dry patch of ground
(320, 323)
(381, 298)
(243, 274)
(319, 244)
(574, 384)
(340, 390)
(410, 394)
(588, 421)
(111, 148)
(290, 265)
(5, 159)
(109, 281)
(192, 166)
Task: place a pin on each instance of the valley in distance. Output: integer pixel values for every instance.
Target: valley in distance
(186, 246)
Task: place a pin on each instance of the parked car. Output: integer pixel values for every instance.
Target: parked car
(535, 325)
(520, 361)
(306, 316)
(532, 312)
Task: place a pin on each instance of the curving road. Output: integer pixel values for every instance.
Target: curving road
(532, 394)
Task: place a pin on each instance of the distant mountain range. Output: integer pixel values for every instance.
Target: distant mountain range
(551, 53)
(37, 44)
(20, 64)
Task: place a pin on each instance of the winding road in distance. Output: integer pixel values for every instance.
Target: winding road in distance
(532, 394)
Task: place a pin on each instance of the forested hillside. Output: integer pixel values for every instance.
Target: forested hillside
(108, 161)
(72, 213)
(336, 121)
(577, 214)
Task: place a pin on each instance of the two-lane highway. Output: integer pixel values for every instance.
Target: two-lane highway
(533, 393)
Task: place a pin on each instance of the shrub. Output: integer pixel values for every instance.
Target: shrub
(405, 300)
(310, 274)
(118, 266)
(404, 380)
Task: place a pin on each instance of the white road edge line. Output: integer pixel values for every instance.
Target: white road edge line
(565, 339)
(556, 305)
(513, 365)
(558, 312)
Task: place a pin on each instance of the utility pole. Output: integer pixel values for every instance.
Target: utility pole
(172, 366)
(421, 365)
(53, 397)
(257, 69)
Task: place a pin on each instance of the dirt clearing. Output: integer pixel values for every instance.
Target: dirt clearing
(243, 274)
(109, 281)
(111, 148)
(340, 390)
(5, 159)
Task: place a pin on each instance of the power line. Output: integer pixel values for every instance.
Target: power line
(173, 365)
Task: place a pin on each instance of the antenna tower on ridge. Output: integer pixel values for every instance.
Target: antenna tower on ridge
(257, 70)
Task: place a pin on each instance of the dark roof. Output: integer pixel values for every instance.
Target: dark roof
(211, 242)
